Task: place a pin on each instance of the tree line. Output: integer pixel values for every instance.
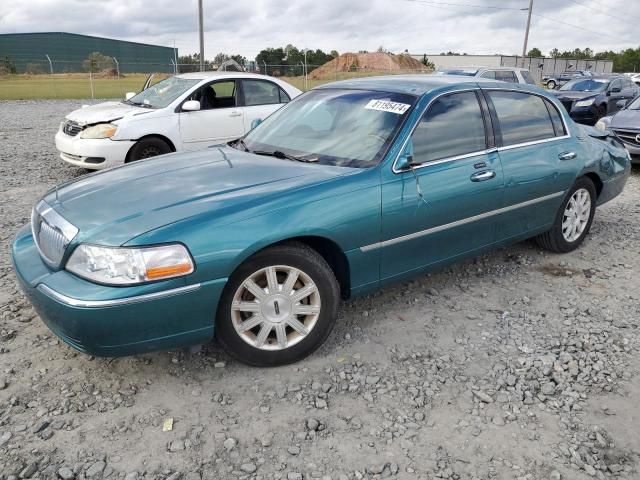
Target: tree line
(627, 60)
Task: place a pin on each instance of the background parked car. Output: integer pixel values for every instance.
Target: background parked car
(588, 99)
(504, 74)
(183, 112)
(554, 81)
(626, 126)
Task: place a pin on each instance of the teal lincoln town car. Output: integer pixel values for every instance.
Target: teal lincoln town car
(348, 188)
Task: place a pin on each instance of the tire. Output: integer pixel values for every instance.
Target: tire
(147, 148)
(243, 318)
(563, 240)
(602, 112)
(551, 84)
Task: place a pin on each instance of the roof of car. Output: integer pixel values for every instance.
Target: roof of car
(485, 67)
(412, 84)
(208, 75)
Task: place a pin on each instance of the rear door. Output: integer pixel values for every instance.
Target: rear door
(219, 119)
(538, 158)
(260, 98)
(443, 208)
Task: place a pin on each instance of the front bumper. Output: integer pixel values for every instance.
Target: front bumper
(586, 115)
(94, 154)
(115, 321)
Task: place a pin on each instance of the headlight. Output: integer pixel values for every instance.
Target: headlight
(128, 266)
(584, 103)
(102, 130)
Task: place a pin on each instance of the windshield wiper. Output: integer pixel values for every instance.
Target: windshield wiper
(285, 156)
(138, 104)
(239, 141)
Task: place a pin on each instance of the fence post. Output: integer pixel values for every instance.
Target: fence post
(91, 83)
(50, 64)
(117, 66)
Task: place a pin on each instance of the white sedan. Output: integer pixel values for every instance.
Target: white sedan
(184, 112)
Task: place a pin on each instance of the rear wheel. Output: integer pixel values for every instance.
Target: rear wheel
(573, 220)
(147, 148)
(278, 307)
(551, 84)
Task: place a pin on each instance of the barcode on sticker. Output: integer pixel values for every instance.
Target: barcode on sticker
(387, 106)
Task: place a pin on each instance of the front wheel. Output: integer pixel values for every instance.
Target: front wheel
(573, 220)
(147, 148)
(278, 307)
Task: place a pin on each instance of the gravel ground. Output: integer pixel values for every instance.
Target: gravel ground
(515, 365)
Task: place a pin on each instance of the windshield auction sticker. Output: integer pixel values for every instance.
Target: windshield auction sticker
(387, 106)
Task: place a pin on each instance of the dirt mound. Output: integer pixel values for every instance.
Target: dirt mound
(368, 62)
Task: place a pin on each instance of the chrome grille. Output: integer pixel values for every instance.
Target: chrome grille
(628, 136)
(71, 128)
(51, 233)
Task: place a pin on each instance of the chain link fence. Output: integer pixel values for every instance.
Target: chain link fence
(56, 79)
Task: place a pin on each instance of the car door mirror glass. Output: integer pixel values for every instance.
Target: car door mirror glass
(255, 122)
(404, 161)
(191, 106)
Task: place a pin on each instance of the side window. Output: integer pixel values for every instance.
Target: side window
(452, 126)
(260, 92)
(489, 74)
(284, 97)
(556, 119)
(522, 117)
(615, 84)
(506, 76)
(526, 74)
(216, 95)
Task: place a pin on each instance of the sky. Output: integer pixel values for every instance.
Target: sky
(420, 26)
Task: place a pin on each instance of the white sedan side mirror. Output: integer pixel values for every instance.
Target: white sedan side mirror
(129, 95)
(191, 106)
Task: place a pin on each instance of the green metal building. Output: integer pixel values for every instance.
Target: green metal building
(60, 52)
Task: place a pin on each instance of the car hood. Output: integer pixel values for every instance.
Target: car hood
(116, 205)
(105, 112)
(626, 119)
(573, 95)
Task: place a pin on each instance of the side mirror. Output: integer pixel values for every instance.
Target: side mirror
(621, 103)
(255, 122)
(404, 162)
(615, 90)
(191, 106)
(129, 95)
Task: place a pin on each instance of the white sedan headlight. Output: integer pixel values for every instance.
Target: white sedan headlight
(584, 103)
(129, 266)
(102, 130)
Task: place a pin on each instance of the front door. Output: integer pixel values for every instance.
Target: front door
(441, 208)
(219, 119)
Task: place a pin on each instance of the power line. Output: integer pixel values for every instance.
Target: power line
(468, 5)
(603, 12)
(582, 28)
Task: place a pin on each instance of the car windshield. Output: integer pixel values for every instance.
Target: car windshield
(162, 93)
(466, 72)
(351, 128)
(635, 104)
(585, 85)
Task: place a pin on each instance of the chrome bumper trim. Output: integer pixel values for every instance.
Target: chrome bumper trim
(75, 302)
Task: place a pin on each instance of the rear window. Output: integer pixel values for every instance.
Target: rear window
(506, 76)
(522, 117)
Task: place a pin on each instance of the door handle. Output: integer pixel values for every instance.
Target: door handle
(567, 155)
(482, 176)
(235, 114)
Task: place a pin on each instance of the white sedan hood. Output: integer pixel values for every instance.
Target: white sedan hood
(105, 112)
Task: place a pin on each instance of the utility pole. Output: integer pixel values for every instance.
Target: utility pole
(201, 24)
(526, 33)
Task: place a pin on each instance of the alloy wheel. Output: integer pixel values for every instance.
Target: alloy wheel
(275, 308)
(576, 215)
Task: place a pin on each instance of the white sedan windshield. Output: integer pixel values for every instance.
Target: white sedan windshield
(333, 126)
(163, 93)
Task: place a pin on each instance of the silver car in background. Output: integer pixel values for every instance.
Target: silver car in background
(504, 74)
